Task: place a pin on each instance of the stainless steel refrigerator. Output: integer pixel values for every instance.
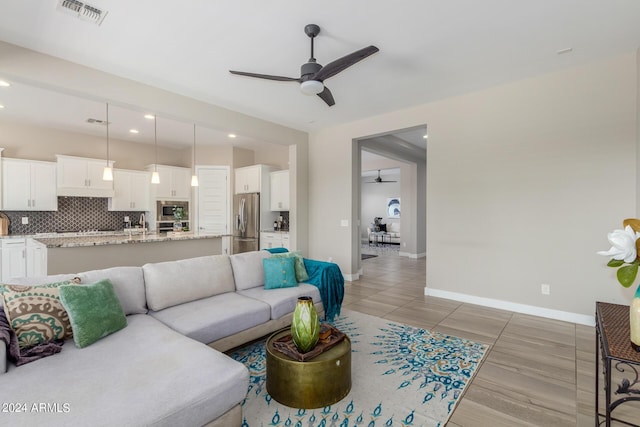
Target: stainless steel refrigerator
(246, 219)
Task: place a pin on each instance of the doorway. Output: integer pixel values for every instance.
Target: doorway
(403, 153)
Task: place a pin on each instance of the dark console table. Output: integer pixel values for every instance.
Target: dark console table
(614, 347)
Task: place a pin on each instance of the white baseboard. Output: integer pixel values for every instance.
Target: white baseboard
(413, 256)
(352, 277)
(565, 316)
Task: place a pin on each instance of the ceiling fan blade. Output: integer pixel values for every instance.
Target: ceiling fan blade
(265, 76)
(334, 67)
(327, 96)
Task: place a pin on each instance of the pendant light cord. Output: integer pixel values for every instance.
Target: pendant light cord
(107, 134)
(155, 140)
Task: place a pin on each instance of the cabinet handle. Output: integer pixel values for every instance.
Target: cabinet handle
(33, 203)
(28, 203)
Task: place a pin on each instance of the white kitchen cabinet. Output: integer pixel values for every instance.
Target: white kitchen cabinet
(175, 182)
(279, 190)
(13, 258)
(277, 239)
(23, 257)
(36, 258)
(80, 176)
(29, 185)
(253, 179)
(131, 190)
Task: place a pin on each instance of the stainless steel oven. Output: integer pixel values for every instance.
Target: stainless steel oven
(165, 209)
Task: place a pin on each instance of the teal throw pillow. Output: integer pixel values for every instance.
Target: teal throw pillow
(279, 273)
(94, 311)
(301, 271)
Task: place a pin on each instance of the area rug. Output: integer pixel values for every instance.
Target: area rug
(367, 256)
(401, 376)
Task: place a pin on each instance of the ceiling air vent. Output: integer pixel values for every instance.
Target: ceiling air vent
(97, 121)
(83, 11)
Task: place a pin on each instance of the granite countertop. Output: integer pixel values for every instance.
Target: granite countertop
(119, 239)
(274, 231)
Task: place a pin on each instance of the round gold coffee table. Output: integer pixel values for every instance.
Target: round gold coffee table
(321, 381)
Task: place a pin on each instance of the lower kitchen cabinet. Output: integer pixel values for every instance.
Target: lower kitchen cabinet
(22, 258)
(277, 239)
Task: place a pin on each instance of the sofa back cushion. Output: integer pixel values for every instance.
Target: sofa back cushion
(128, 283)
(394, 227)
(176, 282)
(247, 269)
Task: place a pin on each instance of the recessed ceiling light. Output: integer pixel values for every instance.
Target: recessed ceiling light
(565, 50)
(232, 135)
(4, 83)
(1, 106)
(149, 116)
(133, 131)
(425, 136)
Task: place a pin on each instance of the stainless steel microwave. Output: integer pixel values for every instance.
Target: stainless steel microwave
(166, 208)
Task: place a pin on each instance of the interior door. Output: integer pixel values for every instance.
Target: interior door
(212, 196)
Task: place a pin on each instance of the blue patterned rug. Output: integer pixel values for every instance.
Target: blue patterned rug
(401, 376)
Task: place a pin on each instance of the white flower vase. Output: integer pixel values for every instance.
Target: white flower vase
(634, 320)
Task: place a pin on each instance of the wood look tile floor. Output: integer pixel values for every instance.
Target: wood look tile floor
(538, 372)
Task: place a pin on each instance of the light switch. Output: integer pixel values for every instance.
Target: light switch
(344, 223)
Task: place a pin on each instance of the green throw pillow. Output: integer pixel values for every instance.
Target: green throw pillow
(35, 313)
(94, 311)
(279, 273)
(301, 271)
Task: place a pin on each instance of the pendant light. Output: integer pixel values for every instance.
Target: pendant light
(155, 178)
(194, 177)
(107, 173)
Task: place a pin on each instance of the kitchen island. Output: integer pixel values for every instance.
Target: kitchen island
(70, 254)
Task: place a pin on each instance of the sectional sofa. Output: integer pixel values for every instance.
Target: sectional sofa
(165, 367)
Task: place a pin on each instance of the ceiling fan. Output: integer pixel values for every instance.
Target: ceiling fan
(312, 74)
(378, 180)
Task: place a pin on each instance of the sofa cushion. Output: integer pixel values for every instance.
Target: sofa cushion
(94, 311)
(176, 282)
(128, 282)
(35, 313)
(279, 273)
(301, 271)
(247, 269)
(394, 227)
(209, 319)
(283, 301)
(146, 374)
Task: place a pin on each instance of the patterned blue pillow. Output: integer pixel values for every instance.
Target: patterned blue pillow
(279, 273)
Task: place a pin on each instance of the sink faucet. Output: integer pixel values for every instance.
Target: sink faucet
(142, 221)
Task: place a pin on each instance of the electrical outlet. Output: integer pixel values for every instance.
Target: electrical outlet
(25, 220)
(545, 289)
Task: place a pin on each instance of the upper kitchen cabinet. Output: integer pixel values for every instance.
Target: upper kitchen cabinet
(253, 179)
(79, 176)
(175, 182)
(29, 185)
(280, 190)
(131, 190)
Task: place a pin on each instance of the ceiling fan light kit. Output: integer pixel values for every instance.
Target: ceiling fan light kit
(312, 74)
(311, 87)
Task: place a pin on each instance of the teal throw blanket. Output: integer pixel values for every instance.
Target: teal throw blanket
(328, 278)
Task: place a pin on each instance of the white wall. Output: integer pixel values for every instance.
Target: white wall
(523, 182)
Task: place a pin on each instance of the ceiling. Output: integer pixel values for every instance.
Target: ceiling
(429, 50)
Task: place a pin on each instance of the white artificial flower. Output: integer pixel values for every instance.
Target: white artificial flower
(623, 244)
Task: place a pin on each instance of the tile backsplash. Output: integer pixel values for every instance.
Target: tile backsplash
(73, 214)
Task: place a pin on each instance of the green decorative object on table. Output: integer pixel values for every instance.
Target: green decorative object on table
(305, 327)
(625, 246)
